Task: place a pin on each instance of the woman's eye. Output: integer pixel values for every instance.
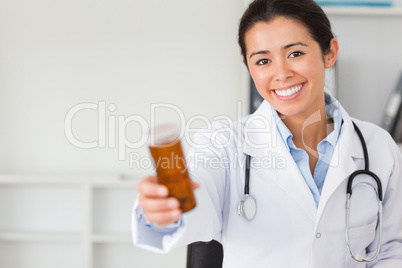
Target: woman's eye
(295, 54)
(263, 62)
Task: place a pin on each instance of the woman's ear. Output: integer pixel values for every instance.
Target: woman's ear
(330, 57)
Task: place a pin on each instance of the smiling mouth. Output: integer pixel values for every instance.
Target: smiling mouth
(289, 91)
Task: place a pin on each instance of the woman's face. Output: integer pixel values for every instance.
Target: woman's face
(287, 66)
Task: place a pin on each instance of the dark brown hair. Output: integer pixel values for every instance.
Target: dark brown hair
(307, 12)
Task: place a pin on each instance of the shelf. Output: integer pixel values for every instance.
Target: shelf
(111, 211)
(43, 254)
(106, 238)
(47, 237)
(57, 179)
(363, 11)
(127, 256)
(35, 208)
(72, 221)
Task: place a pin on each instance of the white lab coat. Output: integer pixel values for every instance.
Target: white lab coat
(288, 231)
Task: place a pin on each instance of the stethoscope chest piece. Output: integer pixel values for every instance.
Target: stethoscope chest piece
(247, 208)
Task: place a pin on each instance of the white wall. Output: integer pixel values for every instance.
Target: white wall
(369, 63)
(57, 54)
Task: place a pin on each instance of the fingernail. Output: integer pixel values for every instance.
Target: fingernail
(162, 191)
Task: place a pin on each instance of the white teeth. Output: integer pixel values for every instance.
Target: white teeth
(288, 92)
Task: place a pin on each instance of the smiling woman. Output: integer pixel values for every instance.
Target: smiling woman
(288, 69)
(300, 205)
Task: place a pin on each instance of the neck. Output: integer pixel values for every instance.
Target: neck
(309, 130)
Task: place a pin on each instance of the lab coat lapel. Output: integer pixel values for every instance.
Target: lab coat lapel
(292, 182)
(287, 175)
(343, 164)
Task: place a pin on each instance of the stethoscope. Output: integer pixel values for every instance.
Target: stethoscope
(247, 208)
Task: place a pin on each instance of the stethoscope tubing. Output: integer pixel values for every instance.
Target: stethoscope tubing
(365, 171)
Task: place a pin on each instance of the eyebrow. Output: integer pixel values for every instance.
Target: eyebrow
(285, 47)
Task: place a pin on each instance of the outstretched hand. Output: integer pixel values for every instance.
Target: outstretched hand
(159, 208)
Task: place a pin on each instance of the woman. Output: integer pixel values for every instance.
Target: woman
(303, 148)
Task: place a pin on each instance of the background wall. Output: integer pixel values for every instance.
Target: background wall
(369, 62)
(57, 54)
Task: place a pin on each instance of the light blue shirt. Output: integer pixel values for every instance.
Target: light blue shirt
(325, 148)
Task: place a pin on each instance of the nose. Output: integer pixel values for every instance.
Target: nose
(282, 70)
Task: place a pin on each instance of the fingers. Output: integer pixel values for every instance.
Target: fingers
(159, 204)
(159, 208)
(163, 218)
(151, 187)
(161, 211)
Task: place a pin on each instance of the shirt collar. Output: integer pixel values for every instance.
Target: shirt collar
(332, 111)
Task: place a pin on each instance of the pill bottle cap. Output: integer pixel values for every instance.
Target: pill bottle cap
(163, 134)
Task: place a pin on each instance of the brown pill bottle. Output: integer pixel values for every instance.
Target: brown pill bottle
(170, 164)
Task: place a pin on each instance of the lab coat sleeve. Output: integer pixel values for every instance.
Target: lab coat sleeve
(207, 166)
(391, 250)
(145, 236)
